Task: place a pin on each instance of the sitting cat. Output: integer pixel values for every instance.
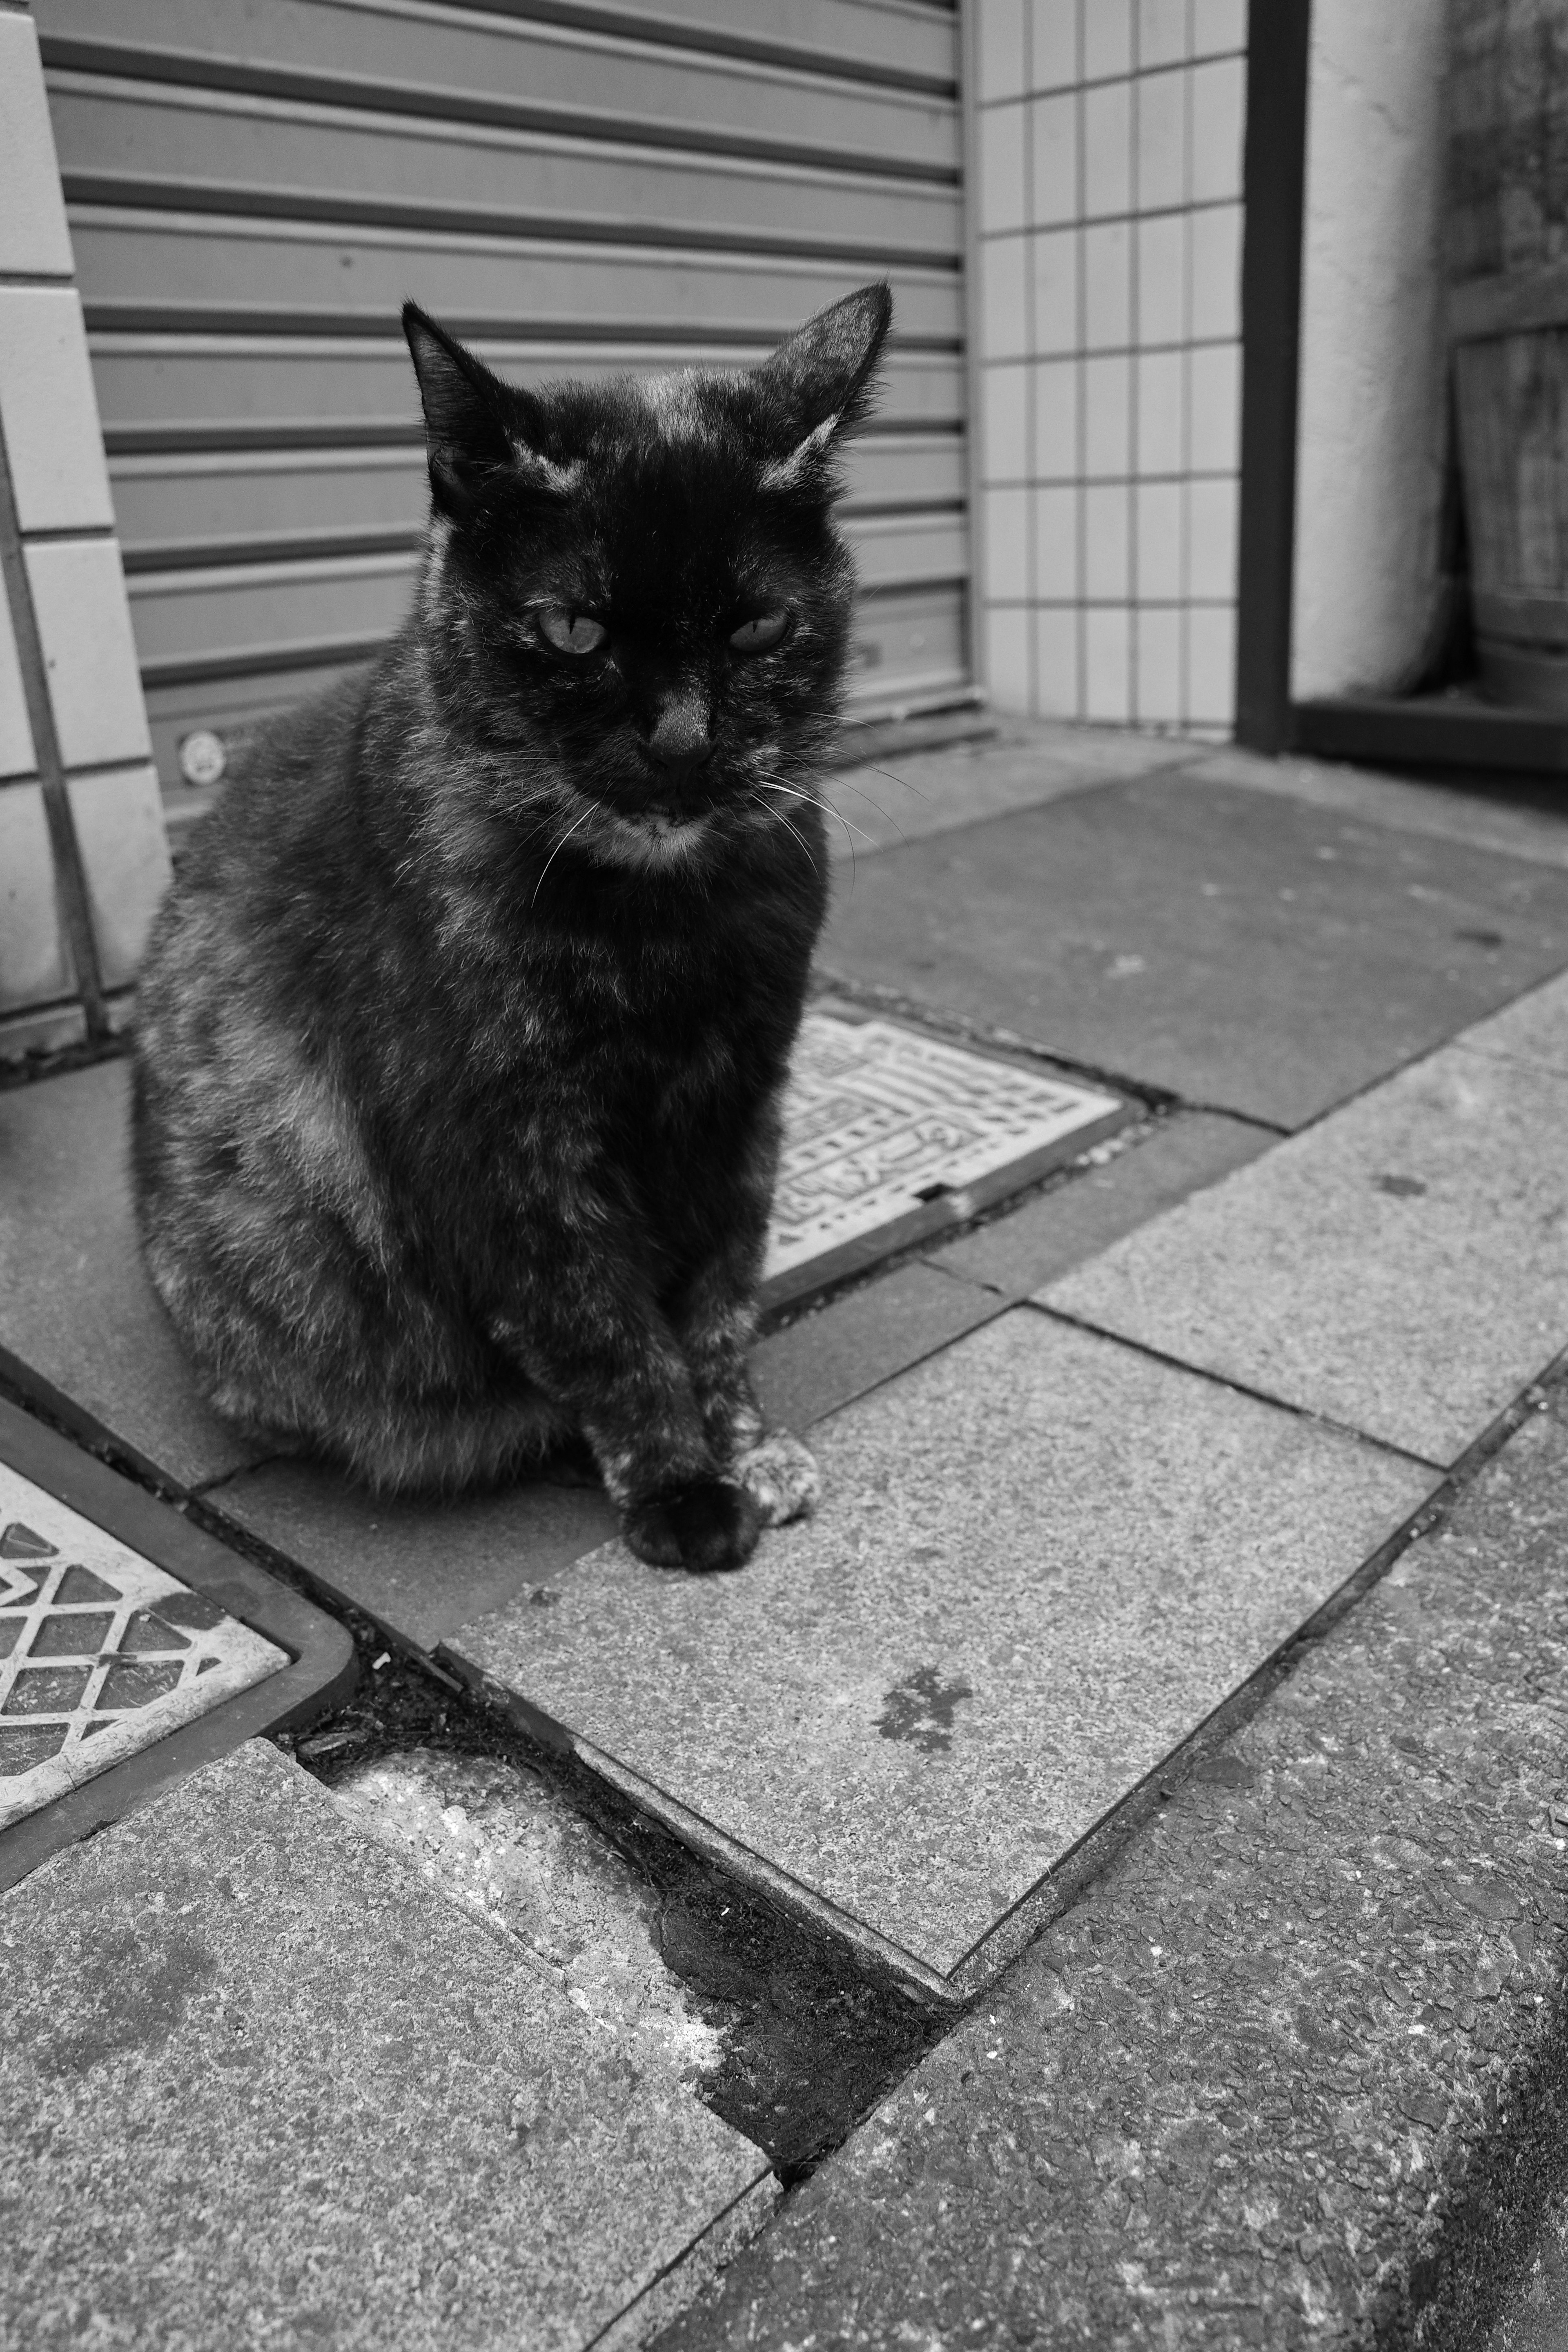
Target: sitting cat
(464, 1030)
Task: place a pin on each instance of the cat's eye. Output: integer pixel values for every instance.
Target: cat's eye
(761, 633)
(570, 633)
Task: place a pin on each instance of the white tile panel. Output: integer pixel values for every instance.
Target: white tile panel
(15, 734)
(1005, 423)
(34, 968)
(1162, 31)
(1162, 139)
(1056, 634)
(1216, 381)
(1001, 49)
(1055, 543)
(1107, 416)
(1163, 278)
(1107, 37)
(1054, 44)
(1106, 149)
(49, 413)
(1158, 533)
(1107, 526)
(1218, 112)
(1162, 408)
(1007, 656)
(1107, 665)
(1053, 130)
(1216, 273)
(34, 239)
(1211, 665)
(1002, 296)
(1157, 665)
(84, 623)
(1001, 175)
(1210, 536)
(1056, 455)
(1006, 545)
(118, 818)
(1056, 265)
(1108, 286)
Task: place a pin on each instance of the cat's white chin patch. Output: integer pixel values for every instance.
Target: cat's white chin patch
(654, 838)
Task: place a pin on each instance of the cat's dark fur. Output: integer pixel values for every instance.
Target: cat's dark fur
(464, 1030)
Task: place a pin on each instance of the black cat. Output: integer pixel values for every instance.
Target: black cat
(464, 1030)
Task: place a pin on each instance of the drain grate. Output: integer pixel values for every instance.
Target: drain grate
(100, 1652)
(890, 1134)
(134, 1647)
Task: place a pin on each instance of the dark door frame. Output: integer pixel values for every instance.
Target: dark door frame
(1420, 730)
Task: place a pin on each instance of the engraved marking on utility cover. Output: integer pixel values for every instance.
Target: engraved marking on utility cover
(101, 1653)
(878, 1120)
(920, 1710)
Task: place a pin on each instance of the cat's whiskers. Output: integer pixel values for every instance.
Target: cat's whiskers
(555, 853)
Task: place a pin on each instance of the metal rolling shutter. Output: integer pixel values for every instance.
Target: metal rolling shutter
(255, 185)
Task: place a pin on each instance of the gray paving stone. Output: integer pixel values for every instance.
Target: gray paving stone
(1400, 1268)
(1534, 1031)
(912, 797)
(1246, 950)
(1032, 1245)
(1042, 1560)
(1290, 2075)
(276, 2090)
(421, 1569)
(75, 1305)
(1503, 813)
(831, 1357)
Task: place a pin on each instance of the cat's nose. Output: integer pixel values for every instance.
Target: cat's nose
(681, 740)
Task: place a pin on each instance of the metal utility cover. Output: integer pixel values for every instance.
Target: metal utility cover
(890, 1135)
(132, 1647)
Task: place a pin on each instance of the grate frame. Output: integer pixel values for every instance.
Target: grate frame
(1070, 1117)
(318, 1668)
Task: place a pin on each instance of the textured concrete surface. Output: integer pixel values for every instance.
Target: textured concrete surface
(1534, 1031)
(831, 1357)
(913, 796)
(1288, 2074)
(1519, 816)
(75, 1305)
(511, 1849)
(1041, 1560)
(1246, 951)
(274, 2091)
(1402, 1267)
(1032, 1245)
(421, 1568)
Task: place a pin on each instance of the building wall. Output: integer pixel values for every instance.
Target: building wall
(1106, 144)
(1372, 399)
(82, 855)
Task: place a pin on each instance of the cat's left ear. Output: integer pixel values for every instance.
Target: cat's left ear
(819, 385)
(478, 430)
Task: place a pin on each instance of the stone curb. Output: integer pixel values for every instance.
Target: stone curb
(1289, 2074)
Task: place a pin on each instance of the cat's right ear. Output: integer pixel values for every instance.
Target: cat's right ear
(478, 432)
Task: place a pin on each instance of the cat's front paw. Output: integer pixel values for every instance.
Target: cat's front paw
(705, 1527)
(782, 1478)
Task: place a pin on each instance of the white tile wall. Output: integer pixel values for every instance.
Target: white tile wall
(70, 620)
(1109, 156)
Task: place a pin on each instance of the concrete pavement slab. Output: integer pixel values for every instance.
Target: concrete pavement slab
(275, 2090)
(916, 794)
(425, 1568)
(1534, 1030)
(1033, 1244)
(1522, 817)
(1291, 2074)
(75, 1305)
(1246, 951)
(1400, 1268)
(421, 1569)
(1042, 1561)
